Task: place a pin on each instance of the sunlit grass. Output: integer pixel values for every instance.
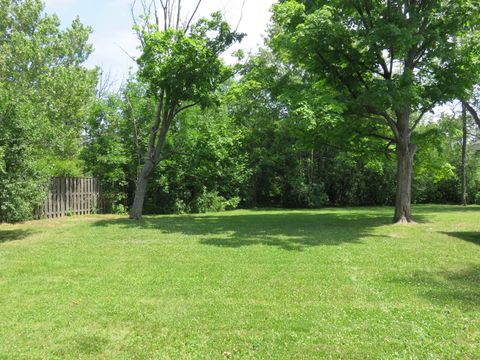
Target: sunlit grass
(332, 283)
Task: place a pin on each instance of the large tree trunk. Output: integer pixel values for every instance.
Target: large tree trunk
(405, 154)
(140, 191)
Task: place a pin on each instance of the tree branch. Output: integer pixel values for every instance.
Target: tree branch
(472, 112)
(375, 135)
(179, 110)
(169, 115)
(337, 73)
(241, 16)
(420, 117)
(187, 26)
(156, 126)
(179, 9)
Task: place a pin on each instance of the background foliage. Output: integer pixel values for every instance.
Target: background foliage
(44, 97)
(274, 140)
(275, 136)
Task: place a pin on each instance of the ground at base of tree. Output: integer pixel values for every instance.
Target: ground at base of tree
(305, 284)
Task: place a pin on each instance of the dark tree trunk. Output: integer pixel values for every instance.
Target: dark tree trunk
(403, 202)
(158, 133)
(472, 112)
(140, 191)
(464, 156)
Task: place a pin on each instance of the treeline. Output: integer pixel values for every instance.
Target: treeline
(275, 137)
(268, 143)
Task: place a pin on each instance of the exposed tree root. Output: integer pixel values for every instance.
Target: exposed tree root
(404, 221)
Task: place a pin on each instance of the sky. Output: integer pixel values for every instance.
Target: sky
(115, 42)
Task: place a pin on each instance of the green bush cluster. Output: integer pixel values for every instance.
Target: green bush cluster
(45, 94)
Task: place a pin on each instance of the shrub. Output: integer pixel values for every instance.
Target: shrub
(119, 209)
(20, 196)
(208, 202)
(232, 204)
(213, 202)
(179, 207)
(477, 198)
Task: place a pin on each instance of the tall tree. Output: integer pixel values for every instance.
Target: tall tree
(391, 62)
(464, 155)
(182, 66)
(44, 93)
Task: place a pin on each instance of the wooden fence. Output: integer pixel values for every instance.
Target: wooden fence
(71, 196)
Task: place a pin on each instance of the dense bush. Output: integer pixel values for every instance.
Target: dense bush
(22, 188)
(250, 152)
(44, 96)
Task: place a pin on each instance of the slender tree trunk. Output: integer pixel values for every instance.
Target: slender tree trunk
(140, 191)
(163, 118)
(464, 156)
(472, 112)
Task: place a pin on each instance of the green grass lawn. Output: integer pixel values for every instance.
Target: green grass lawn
(332, 283)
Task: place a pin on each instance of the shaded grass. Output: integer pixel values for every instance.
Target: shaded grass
(472, 236)
(13, 235)
(332, 283)
(275, 228)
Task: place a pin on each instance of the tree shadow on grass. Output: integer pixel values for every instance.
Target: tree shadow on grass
(470, 236)
(459, 288)
(13, 235)
(419, 209)
(293, 231)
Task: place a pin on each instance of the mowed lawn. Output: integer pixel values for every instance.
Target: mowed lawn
(331, 283)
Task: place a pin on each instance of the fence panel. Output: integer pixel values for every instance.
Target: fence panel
(70, 196)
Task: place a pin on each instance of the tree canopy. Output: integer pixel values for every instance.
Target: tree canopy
(390, 62)
(182, 68)
(334, 110)
(44, 96)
